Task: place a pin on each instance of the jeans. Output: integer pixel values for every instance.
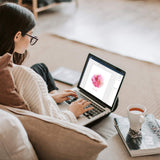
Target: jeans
(43, 71)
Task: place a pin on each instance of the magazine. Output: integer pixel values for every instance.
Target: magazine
(146, 142)
(66, 75)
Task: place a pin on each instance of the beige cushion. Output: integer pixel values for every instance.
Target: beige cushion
(8, 93)
(54, 139)
(14, 143)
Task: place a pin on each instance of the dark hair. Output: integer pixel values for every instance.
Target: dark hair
(13, 18)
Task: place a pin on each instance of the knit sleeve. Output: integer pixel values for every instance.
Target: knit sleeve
(33, 90)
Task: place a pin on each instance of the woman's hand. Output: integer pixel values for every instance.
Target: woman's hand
(60, 97)
(78, 107)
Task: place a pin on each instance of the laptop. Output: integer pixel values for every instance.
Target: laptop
(99, 83)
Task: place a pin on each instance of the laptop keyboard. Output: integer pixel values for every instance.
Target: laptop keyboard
(91, 113)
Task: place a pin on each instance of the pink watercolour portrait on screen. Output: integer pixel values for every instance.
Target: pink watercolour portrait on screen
(97, 80)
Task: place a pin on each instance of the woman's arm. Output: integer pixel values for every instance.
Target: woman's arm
(33, 90)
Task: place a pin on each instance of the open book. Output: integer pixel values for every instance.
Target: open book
(146, 143)
(66, 75)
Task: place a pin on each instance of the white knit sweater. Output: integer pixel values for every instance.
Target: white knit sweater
(33, 90)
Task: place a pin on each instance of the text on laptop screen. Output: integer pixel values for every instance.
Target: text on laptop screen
(100, 81)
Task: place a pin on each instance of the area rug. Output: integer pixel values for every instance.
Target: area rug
(126, 27)
(141, 84)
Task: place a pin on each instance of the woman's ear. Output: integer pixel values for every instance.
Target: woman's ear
(17, 36)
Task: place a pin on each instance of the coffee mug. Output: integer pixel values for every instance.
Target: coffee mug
(136, 113)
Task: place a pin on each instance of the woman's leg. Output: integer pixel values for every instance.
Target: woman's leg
(43, 71)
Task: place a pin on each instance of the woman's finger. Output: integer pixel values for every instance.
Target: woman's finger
(80, 100)
(88, 109)
(66, 98)
(84, 102)
(87, 103)
(70, 91)
(69, 94)
(67, 90)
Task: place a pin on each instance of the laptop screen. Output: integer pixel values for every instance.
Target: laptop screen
(101, 80)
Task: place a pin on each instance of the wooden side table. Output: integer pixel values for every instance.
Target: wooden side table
(34, 7)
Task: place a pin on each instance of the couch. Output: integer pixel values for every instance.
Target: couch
(27, 135)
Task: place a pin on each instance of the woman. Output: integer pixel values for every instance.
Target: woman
(16, 29)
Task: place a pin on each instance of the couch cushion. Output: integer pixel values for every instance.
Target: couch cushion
(60, 140)
(14, 143)
(8, 93)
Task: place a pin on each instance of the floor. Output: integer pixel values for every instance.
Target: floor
(127, 27)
